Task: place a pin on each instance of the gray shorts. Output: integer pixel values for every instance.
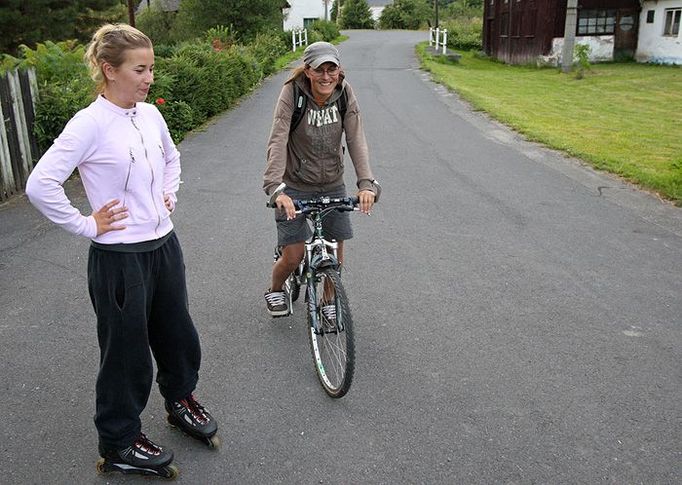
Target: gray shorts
(336, 225)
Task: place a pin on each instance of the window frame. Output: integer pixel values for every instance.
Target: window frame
(671, 25)
(596, 21)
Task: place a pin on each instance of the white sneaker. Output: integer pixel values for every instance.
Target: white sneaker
(276, 302)
(329, 313)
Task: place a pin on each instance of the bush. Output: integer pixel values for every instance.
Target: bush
(465, 33)
(405, 14)
(57, 104)
(328, 30)
(355, 14)
(179, 117)
(159, 26)
(267, 48)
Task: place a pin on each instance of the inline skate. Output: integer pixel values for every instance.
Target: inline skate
(194, 420)
(143, 457)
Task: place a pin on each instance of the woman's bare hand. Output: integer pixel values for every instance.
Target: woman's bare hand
(366, 199)
(108, 215)
(283, 201)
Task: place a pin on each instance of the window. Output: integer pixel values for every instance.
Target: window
(596, 22)
(672, 21)
(308, 22)
(650, 16)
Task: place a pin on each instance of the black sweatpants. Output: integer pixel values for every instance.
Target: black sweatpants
(140, 299)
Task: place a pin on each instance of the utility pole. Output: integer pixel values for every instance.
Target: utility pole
(326, 9)
(436, 4)
(569, 35)
(131, 13)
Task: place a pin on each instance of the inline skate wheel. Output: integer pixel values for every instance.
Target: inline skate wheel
(213, 442)
(170, 472)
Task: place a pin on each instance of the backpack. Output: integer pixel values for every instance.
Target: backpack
(300, 103)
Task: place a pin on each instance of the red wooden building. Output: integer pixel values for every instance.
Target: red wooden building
(523, 31)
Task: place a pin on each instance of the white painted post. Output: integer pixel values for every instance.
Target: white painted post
(430, 36)
(437, 37)
(22, 128)
(306, 36)
(445, 41)
(293, 40)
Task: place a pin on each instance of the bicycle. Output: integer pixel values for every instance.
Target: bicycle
(328, 311)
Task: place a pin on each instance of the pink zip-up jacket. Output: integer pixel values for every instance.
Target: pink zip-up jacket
(124, 154)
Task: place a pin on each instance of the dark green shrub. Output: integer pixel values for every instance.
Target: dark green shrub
(179, 117)
(328, 30)
(465, 33)
(266, 48)
(163, 50)
(57, 104)
(405, 14)
(355, 14)
(158, 25)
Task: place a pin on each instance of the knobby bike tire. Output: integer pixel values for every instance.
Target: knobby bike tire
(333, 350)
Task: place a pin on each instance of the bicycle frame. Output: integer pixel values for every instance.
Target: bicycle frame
(319, 253)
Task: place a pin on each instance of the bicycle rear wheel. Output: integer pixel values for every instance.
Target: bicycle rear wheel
(332, 343)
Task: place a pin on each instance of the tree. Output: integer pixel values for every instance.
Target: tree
(244, 17)
(406, 14)
(356, 14)
(24, 22)
(336, 6)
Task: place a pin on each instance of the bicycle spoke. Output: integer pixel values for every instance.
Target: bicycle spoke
(332, 348)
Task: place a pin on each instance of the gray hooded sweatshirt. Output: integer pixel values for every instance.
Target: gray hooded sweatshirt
(311, 159)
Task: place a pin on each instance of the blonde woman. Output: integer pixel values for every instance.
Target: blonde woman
(130, 169)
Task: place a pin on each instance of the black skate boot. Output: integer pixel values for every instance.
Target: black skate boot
(143, 457)
(193, 419)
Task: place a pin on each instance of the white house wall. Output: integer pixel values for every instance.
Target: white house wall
(601, 48)
(304, 9)
(652, 45)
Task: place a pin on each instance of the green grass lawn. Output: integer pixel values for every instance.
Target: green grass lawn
(623, 118)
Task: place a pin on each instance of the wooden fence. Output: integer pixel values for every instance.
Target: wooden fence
(18, 147)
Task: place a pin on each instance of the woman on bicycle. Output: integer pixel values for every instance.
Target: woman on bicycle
(308, 157)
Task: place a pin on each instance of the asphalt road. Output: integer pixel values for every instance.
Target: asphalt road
(518, 316)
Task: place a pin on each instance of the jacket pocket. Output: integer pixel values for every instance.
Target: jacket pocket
(309, 172)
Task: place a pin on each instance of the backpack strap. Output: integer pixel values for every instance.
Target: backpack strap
(299, 108)
(300, 103)
(342, 104)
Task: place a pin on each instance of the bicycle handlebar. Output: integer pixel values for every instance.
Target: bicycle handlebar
(318, 203)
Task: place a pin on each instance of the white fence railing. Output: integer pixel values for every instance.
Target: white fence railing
(302, 35)
(435, 36)
(18, 148)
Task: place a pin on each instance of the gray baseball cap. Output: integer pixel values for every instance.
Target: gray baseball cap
(318, 53)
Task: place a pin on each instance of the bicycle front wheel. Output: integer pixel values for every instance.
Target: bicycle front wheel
(332, 343)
